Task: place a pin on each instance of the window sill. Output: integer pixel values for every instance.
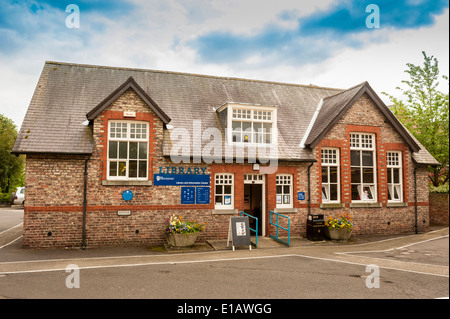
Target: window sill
(225, 211)
(285, 210)
(365, 205)
(398, 204)
(331, 205)
(127, 183)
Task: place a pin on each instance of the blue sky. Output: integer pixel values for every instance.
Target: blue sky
(317, 36)
(323, 42)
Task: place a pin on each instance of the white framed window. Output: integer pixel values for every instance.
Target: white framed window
(394, 176)
(252, 125)
(253, 178)
(224, 192)
(363, 167)
(284, 191)
(330, 175)
(127, 150)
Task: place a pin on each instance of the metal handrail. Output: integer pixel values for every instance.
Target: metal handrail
(277, 225)
(251, 229)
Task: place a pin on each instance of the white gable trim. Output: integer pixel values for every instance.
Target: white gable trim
(311, 124)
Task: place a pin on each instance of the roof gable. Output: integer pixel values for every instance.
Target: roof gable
(130, 83)
(334, 107)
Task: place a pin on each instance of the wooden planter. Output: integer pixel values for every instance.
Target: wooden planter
(338, 234)
(182, 240)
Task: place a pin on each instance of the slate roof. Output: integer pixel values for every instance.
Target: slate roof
(66, 93)
(334, 107)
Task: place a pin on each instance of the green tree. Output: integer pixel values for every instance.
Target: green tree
(425, 112)
(11, 166)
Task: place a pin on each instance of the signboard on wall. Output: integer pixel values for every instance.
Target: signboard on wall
(202, 195)
(180, 180)
(187, 195)
(194, 195)
(301, 195)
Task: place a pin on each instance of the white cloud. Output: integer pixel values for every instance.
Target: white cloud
(154, 36)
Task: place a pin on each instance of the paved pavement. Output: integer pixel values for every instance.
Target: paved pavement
(418, 264)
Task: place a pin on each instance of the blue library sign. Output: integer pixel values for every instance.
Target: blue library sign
(180, 180)
(301, 195)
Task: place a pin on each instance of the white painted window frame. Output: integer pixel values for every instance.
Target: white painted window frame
(328, 165)
(390, 165)
(280, 179)
(252, 109)
(362, 146)
(127, 138)
(217, 182)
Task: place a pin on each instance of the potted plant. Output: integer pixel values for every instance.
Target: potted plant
(340, 227)
(180, 233)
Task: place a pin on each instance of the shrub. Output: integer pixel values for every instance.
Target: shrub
(441, 189)
(5, 198)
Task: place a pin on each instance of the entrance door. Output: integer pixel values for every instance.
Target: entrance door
(254, 200)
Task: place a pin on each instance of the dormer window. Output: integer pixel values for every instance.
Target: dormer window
(249, 124)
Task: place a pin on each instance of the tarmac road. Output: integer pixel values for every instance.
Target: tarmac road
(410, 266)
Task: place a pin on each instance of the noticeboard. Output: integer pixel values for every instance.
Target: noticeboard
(239, 232)
(187, 195)
(202, 195)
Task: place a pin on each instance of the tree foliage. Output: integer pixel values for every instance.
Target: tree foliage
(425, 112)
(11, 166)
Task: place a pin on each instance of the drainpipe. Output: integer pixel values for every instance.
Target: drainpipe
(83, 246)
(415, 200)
(309, 188)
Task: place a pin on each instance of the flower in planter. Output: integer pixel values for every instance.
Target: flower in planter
(176, 224)
(342, 221)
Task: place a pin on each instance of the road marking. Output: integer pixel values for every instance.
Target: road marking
(172, 262)
(11, 228)
(219, 260)
(390, 249)
(11, 242)
(423, 241)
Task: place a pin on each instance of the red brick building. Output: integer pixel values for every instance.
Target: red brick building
(112, 152)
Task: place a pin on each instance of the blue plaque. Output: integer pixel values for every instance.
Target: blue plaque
(202, 196)
(301, 195)
(127, 195)
(187, 195)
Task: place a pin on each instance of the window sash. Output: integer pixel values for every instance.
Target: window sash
(330, 184)
(330, 175)
(127, 150)
(251, 132)
(361, 141)
(224, 191)
(394, 176)
(284, 191)
(127, 130)
(252, 115)
(363, 167)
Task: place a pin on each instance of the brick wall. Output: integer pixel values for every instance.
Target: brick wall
(54, 206)
(439, 209)
(364, 116)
